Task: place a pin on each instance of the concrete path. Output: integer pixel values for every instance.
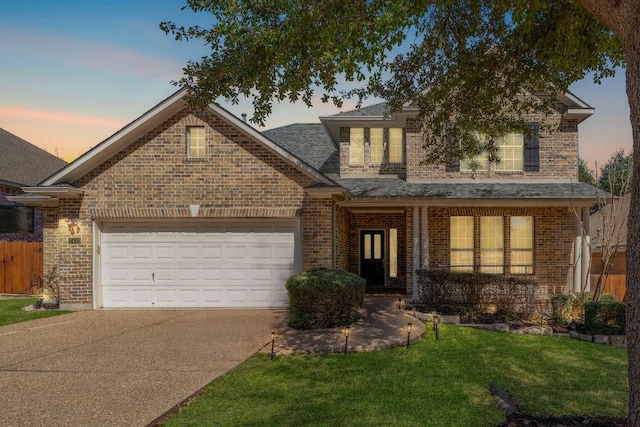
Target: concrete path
(119, 368)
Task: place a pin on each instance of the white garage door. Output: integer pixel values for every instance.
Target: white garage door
(236, 264)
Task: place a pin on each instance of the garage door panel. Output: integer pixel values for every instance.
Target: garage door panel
(202, 265)
(165, 252)
(212, 252)
(188, 274)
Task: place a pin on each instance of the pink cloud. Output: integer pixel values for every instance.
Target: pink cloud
(58, 117)
(93, 55)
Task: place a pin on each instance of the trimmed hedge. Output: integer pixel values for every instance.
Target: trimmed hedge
(561, 307)
(605, 317)
(475, 294)
(324, 298)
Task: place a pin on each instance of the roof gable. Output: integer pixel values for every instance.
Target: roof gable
(149, 121)
(23, 163)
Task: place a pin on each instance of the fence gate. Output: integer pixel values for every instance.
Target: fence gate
(20, 265)
(615, 284)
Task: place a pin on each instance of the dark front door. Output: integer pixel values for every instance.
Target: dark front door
(372, 257)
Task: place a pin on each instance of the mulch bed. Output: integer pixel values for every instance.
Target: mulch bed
(515, 418)
(523, 420)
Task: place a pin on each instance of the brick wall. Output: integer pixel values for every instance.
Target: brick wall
(153, 178)
(343, 239)
(317, 233)
(558, 153)
(553, 241)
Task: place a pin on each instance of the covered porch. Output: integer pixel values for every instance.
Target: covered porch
(386, 244)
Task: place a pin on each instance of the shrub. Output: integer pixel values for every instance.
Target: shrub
(605, 317)
(561, 307)
(582, 297)
(48, 287)
(473, 294)
(324, 298)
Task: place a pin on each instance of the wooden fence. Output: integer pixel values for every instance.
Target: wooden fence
(20, 265)
(616, 284)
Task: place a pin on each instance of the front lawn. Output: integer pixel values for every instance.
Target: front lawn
(435, 383)
(11, 311)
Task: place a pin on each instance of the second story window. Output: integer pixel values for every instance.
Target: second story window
(510, 152)
(395, 145)
(356, 145)
(196, 144)
(376, 141)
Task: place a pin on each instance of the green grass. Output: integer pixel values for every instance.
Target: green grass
(435, 383)
(11, 311)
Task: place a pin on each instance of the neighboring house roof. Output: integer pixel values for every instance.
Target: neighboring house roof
(610, 222)
(22, 163)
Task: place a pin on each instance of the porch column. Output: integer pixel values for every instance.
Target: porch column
(577, 259)
(416, 251)
(586, 251)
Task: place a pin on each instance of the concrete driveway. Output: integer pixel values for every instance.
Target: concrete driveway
(119, 368)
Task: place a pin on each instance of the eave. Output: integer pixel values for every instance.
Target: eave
(338, 194)
(151, 120)
(60, 192)
(35, 200)
(467, 202)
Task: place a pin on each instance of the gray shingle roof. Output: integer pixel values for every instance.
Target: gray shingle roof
(23, 163)
(375, 110)
(399, 188)
(310, 143)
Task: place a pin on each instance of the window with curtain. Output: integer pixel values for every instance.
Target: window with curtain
(492, 244)
(461, 240)
(196, 145)
(395, 145)
(521, 243)
(376, 136)
(356, 145)
(510, 152)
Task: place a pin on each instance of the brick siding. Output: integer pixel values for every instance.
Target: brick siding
(553, 241)
(153, 178)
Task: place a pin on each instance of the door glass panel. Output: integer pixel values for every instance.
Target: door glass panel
(367, 246)
(393, 252)
(377, 246)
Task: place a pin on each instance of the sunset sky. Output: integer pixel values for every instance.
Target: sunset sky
(74, 72)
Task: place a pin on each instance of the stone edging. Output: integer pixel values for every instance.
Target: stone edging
(613, 340)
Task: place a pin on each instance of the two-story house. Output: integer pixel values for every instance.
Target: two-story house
(187, 208)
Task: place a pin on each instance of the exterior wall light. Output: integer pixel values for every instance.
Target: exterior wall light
(194, 210)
